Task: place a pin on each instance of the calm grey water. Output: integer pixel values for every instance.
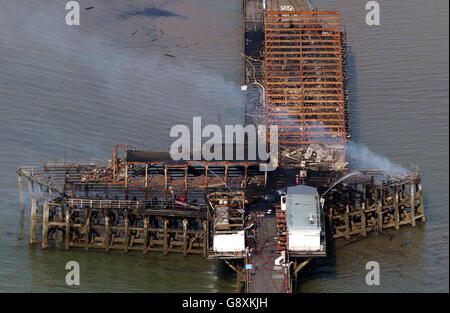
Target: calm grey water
(110, 81)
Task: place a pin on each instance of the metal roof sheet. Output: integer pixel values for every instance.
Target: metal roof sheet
(302, 208)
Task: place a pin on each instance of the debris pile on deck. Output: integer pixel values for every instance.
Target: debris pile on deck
(314, 156)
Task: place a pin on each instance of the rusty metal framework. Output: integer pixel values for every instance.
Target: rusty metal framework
(304, 77)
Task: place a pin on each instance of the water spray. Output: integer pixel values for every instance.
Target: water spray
(322, 199)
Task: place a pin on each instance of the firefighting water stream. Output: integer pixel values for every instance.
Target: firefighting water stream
(135, 68)
(340, 180)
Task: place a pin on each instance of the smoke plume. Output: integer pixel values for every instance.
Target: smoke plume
(365, 159)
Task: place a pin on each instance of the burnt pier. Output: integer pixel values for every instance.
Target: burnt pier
(266, 226)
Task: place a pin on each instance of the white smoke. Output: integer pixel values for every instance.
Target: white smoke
(365, 159)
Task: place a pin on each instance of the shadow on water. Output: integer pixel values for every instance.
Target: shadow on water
(225, 272)
(319, 267)
(150, 12)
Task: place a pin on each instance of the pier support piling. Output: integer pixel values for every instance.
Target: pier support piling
(67, 235)
(166, 237)
(205, 240)
(396, 209)
(87, 230)
(126, 238)
(185, 237)
(421, 206)
(413, 205)
(45, 225)
(20, 181)
(33, 220)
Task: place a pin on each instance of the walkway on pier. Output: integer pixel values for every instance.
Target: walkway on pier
(265, 276)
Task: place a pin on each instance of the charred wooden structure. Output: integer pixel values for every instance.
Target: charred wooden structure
(374, 201)
(124, 225)
(228, 221)
(140, 201)
(295, 78)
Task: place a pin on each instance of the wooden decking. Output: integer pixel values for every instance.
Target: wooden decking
(265, 276)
